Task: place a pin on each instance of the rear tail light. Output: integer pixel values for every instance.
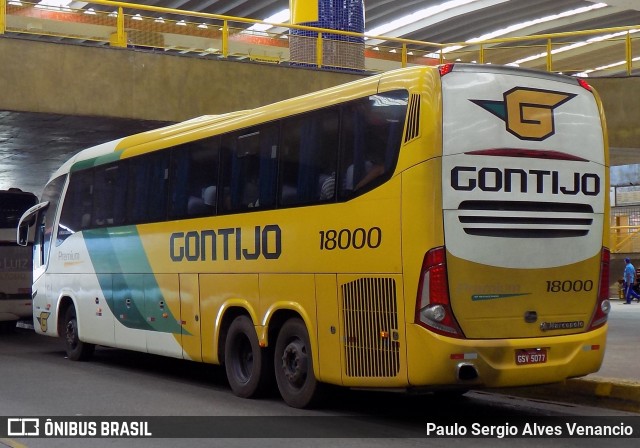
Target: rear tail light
(601, 312)
(445, 68)
(433, 307)
(585, 85)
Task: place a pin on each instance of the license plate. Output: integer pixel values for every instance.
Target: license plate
(531, 356)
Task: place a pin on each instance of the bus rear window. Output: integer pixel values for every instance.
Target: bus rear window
(12, 205)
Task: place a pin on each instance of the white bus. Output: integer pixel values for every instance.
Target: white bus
(15, 261)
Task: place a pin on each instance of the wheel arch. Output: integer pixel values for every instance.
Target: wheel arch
(227, 314)
(64, 303)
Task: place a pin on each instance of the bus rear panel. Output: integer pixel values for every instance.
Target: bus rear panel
(518, 292)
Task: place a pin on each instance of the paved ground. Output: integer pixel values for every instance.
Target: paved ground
(617, 384)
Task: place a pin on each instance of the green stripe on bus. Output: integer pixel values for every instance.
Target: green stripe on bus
(127, 280)
(96, 161)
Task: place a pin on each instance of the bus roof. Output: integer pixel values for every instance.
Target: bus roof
(209, 125)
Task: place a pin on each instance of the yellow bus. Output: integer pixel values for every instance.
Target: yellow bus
(427, 228)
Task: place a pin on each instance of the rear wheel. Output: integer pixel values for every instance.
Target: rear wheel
(76, 349)
(294, 365)
(243, 359)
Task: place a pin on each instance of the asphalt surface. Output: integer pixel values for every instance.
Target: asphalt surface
(617, 384)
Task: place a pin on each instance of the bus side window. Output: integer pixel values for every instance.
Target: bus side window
(110, 183)
(249, 168)
(371, 137)
(194, 179)
(308, 160)
(148, 188)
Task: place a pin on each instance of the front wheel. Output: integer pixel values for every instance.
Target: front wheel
(294, 365)
(76, 349)
(243, 359)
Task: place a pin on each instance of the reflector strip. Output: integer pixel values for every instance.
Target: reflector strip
(588, 348)
(463, 356)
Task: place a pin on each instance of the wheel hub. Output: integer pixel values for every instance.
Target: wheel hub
(294, 363)
(71, 334)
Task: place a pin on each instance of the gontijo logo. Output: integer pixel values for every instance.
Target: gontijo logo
(528, 113)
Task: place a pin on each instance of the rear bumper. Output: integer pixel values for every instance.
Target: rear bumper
(438, 360)
(15, 307)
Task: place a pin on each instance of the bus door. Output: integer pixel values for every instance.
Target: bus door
(38, 217)
(42, 216)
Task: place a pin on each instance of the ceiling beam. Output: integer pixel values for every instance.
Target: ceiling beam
(623, 4)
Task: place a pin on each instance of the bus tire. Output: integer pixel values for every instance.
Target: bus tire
(293, 364)
(244, 359)
(76, 349)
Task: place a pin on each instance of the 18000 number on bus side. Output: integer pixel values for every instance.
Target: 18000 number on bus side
(346, 238)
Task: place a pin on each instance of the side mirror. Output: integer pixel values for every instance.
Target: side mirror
(24, 234)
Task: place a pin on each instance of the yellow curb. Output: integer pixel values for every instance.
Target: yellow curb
(610, 393)
(12, 443)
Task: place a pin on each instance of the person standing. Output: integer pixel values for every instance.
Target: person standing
(629, 277)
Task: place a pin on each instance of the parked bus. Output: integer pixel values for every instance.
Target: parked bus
(436, 228)
(15, 260)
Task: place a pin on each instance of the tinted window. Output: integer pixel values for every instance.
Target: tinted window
(249, 170)
(353, 146)
(308, 159)
(148, 187)
(12, 205)
(109, 194)
(194, 179)
(371, 134)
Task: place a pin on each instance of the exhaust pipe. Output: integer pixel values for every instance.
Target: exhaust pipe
(466, 372)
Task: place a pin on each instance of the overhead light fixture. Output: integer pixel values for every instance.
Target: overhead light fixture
(573, 46)
(137, 17)
(528, 23)
(15, 2)
(159, 20)
(90, 11)
(416, 16)
(429, 12)
(203, 26)
(605, 67)
(62, 5)
(279, 17)
(181, 23)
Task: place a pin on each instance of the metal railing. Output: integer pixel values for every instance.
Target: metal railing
(120, 24)
(625, 239)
